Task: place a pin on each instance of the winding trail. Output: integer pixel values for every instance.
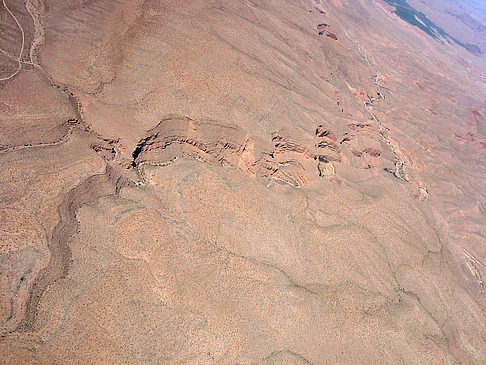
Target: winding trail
(19, 60)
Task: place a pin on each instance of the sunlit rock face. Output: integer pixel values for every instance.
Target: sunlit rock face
(242, 182)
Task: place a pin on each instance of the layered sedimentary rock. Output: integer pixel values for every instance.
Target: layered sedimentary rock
(257, 182)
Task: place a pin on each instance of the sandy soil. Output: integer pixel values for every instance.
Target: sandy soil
(241, 182)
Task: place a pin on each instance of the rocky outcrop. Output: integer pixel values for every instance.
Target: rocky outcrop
(252, 141)
(208, 141)
(297, 161)
(292, 160)
(323, 29)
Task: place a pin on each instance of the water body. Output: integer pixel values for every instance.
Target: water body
(420, 20)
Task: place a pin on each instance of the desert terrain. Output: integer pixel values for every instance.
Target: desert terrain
(242, 182)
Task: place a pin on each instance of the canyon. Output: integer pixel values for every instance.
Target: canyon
(242, 182)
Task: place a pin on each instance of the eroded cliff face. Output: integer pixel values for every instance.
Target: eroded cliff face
(271, 182)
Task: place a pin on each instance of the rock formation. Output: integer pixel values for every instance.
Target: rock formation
(242, 182)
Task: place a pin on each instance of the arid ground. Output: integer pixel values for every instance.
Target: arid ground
(242, 182)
